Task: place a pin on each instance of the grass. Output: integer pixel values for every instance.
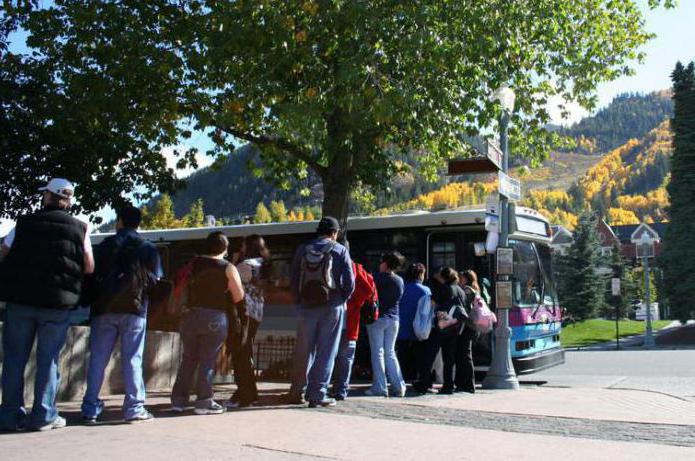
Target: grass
(597, 331)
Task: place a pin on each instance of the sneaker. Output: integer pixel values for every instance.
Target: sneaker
(326, 402)
(372, 393)
(213, 409)
(89, 419)
(339, 397)
(177, 409)
(57, 423)
(445, 391)
(234, 405)
(400, 393)
(294, 399)
(143, 417)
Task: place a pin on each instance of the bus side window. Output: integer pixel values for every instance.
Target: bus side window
(527, 277)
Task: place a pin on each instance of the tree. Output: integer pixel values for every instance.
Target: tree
(262, 214)
(338, 87)
(628, 287)
(161, 215)
(678, 255)
(580, 287)
(196, 216)
(104, 134)
(278, 211)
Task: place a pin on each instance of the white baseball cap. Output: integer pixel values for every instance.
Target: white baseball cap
(60, 186)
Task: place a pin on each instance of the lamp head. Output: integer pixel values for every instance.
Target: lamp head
(506, 98)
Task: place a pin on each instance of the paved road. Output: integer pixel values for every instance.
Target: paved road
(667, 371)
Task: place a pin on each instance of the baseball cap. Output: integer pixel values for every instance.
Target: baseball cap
(59, 186)
(327, 225)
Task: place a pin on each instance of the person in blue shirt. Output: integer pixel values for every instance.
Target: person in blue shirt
(320, 322)
(415, 296)
(383, 332)
(124, 318)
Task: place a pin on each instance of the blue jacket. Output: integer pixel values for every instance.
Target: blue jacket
(342, 271)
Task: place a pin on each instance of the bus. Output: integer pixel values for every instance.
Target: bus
(437, 239)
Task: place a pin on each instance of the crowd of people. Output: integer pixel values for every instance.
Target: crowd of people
(49, 267)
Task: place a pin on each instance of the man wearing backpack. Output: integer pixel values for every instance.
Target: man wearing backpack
(45, 258)
(127, 268)
(322, 281)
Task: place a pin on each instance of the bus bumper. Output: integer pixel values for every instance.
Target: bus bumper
(539, 361)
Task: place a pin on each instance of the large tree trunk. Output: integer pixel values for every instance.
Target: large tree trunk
(336, 193)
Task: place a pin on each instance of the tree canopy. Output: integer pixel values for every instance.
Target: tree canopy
(336, 86)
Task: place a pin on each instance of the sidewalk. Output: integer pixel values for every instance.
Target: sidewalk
(531, 424)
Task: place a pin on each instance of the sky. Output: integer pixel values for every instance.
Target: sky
(674, 41)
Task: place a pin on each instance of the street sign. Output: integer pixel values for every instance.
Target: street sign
(505, 261)
(615, 286)
(488, 160)
(509, 187)
(503, 295)
(492, 206)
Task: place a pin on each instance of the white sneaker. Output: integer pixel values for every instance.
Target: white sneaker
(57, 423)
(142, 417)
(214, 409)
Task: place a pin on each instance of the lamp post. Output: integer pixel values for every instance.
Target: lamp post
(647, 243)
(501, 374)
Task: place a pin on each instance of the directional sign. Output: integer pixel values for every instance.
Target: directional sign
(615, 286)
(488, 159)
(509, 187)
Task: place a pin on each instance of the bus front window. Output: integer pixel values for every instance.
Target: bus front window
(527, 275)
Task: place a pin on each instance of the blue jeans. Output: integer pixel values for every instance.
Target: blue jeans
(21, 325)
(382, 342)
(318, 335)
(343, 365)
(105, 330)
(203, 331)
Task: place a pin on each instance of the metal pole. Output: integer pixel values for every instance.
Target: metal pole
(501, 374)
(648, 337)
(617, 329)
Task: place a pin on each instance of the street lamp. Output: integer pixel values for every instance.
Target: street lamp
(501, 374)
(646, 246)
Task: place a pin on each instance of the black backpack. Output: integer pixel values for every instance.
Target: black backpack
(121, 279)
(316, 278)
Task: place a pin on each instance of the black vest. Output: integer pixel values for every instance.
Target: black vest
(209, 284)
(45, 265)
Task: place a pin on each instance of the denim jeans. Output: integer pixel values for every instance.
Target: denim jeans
(382, 341)
(105, 330)
(203, 332)
(318, 335)
(21, 325)
(343, 365)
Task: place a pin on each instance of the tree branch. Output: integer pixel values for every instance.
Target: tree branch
(284, 144)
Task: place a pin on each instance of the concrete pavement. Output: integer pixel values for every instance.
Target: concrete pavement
(535, 423)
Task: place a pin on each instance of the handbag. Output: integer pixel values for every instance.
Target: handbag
(370, 311)
(448, 324)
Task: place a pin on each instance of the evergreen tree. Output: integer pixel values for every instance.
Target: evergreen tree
(581, 289)
(278, 211)
(678, 255)
(628, 287)
(262, 214)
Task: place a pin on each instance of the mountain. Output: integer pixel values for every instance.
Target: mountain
(232, 192)
(628, 116)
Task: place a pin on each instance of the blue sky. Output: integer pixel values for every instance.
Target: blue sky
(674, 41)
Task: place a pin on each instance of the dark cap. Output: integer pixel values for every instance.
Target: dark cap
(327, 225)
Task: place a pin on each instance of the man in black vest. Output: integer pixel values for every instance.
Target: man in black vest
(46, 257)
(120, 310)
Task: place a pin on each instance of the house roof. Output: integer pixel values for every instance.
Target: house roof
(624, 232)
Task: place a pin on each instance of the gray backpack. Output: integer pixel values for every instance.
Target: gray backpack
(316, 276)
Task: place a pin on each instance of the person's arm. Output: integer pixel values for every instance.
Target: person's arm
(7, 243)
(295, 268)
(347, 276)
(234, 283)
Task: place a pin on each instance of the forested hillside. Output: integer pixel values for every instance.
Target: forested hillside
(628, 116)
(625, 184)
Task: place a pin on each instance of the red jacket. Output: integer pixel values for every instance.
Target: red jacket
(364, 291)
